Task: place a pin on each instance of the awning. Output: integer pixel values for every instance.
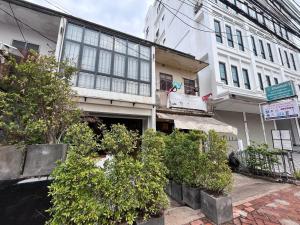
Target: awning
(198, 123)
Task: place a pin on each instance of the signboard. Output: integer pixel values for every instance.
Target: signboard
(285, 109)
(177, 100)
(282, 139)
(280, 91)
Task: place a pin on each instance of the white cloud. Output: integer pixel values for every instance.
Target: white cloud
(123, 15)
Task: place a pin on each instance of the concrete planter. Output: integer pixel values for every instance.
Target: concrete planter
(217, 209)
(153, 221)
(168, 188)
(177, 192)
(191, 197)
(30, 161)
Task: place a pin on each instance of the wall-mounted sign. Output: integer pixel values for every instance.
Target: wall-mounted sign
(280, 91)
(284, 109)
(177, 100)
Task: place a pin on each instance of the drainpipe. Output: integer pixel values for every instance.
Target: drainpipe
(263, 124)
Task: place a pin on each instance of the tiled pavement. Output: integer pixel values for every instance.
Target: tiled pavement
(282, 207)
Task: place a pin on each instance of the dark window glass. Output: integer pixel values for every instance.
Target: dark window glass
(253, 45)
(235, 76)
(23, 46)
(262, 49)
(218, 31)
(280, 57)
(166, 82)
(189, 87)
(240, 40)
(287, 59)
(270, 52)
(223, 74)
(229, 36)
(293, 61)
(268, 80)
(275, 80)
(246, 79)
(261, 85)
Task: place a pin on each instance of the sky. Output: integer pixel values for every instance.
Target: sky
(124, 15)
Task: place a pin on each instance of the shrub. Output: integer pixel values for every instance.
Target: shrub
(297, 174)
(36, 101)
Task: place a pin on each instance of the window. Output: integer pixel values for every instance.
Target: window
(218, 31)
(229, 36)
(253, 45)
(246, 79)
(270, 52)
(261, 84)
(166, 82)
(268, 80)
(189, 87)
(157, 33)
(107, 62)
(280, 56)
(235, 76)
(293, 61)
(275, 80)
(262, 49)
(287, 59)
(23, 46)
(240, 40)
(223, 74)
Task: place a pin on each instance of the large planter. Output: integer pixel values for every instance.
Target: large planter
(153, 221)
(177, 192)
(30, 160)
(191, 197)
(217, 209)
(168, 188)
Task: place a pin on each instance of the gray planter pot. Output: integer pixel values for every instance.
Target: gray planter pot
(217, 209)
(191, 197)
(153, 221)
(176, 192)
(11, 162)
(42, 159)
(168, 188)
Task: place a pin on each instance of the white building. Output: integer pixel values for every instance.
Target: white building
(243, 59)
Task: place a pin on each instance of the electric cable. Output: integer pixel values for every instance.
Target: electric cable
(14, 16)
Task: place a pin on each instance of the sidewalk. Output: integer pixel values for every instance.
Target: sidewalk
(281, 207)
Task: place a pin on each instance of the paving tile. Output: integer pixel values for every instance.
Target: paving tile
(249, 209)
(247, 204)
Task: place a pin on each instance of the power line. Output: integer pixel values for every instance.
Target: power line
(17, 22)
(57, 6)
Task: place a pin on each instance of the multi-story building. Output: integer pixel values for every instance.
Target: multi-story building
(243, 58)
(120, 78)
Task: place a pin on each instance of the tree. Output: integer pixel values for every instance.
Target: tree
(36, 100)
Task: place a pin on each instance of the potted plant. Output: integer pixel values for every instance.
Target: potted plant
(216, 204)
(36, 109)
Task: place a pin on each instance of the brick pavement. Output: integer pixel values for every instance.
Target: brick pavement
(282, 207)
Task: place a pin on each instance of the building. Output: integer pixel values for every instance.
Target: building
(120, 77)
(243, 58)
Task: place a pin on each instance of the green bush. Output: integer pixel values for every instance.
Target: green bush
(127, 189)
(297, 174)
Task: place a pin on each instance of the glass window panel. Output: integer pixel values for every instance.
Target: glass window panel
(119, 65)
(104, 62)
(235, 76)
(86, 80)
(118, 85)
(74, 32)
(132, 68)
(120, 45)
(132, 87)
(229, 36)
(145, 52)
(106, 41)
(133, 49)
(145, 71)
(71, 53)
(144, 89)
(103, 83)
(91, 37)
(218, 31)
(223, 74)
(88, 58)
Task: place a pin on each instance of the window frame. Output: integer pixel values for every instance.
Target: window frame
(280, 55)
(218, 33)
(236, 82)
(262, 49)
(113, 52)
(268, 79)
(293, 61)
(229, 36)
(254, 45)
(276, 80)
(225, 79)
(270, 52)
(247, 83)
(261, 84)
(186, 87)
(26, 45)
(240, 40)
(287, 59)
(168, 87)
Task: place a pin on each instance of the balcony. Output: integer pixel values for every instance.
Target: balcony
(179, 102)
